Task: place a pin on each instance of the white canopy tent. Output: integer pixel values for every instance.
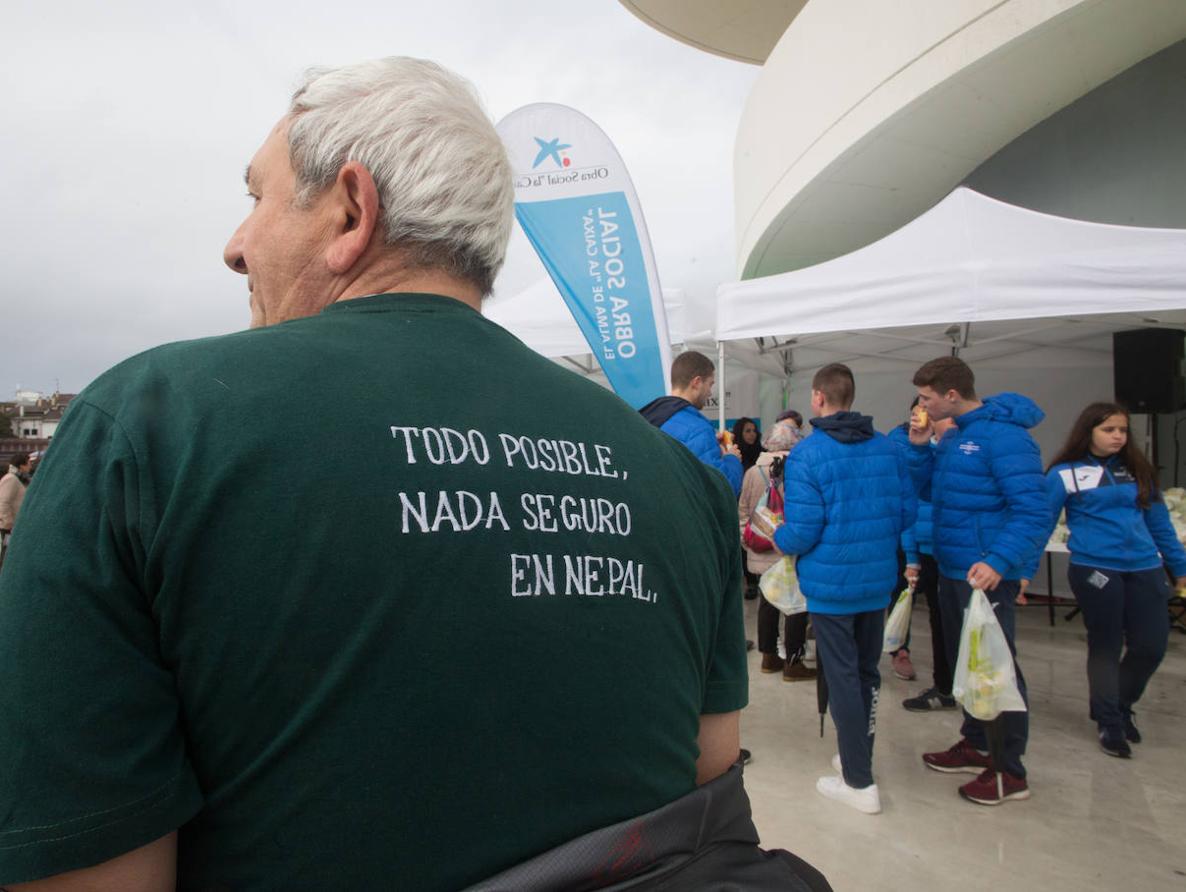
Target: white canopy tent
(1010, 290)
(968, 259)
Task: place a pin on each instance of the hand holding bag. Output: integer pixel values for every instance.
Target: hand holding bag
(898, 624)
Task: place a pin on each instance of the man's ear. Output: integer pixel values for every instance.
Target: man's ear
(355, 216)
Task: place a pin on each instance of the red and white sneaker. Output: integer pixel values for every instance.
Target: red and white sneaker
(963, 758)
(995, 787)
(902, 666)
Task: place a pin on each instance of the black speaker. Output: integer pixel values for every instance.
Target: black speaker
(1147, 370)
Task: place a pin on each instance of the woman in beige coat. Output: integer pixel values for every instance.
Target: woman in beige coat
(12, 493)
(781, 439)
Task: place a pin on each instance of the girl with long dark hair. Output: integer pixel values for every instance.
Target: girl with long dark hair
(1121, 536)
(748, 439)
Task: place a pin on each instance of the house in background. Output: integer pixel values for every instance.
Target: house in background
(34, 415)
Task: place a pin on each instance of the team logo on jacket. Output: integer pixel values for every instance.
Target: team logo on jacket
(969, 447)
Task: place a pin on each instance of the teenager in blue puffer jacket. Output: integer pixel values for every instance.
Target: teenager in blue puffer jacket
(1121, 538)
(988, 495)
(848, 496)
(692, 378)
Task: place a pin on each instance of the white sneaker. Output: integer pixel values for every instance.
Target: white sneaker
(866, 800)
(836, 765)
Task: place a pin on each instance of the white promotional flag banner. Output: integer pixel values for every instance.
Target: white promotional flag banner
(577, 206)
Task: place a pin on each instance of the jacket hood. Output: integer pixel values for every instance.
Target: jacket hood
(846, 427)
(657, 412)
(1012, 408)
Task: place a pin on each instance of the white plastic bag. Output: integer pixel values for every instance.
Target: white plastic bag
(985, 680)
(780, 586)
(897, 627)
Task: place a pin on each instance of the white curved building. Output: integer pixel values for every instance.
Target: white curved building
(869, 112)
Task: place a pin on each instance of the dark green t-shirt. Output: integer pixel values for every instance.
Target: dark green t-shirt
(373, 599)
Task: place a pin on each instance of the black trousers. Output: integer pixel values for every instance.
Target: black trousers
(954, 595)
(794, 631)
(928, 585)
(1124, 613)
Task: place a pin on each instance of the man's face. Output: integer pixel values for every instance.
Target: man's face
(818, 403)
(279, 247)
(702, 390)
(937, 405)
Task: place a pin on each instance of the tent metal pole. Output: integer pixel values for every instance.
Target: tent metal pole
(959, 337)
(720, 385)
(583, 368)
(1008, 336)
(874, 333)
(788, 367)
(1113, 320)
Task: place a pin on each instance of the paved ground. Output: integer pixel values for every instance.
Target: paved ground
(1093, 822)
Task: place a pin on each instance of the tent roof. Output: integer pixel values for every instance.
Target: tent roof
(540, 318)
(970, 259)
(1055, 342)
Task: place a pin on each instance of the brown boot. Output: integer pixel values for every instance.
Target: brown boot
(796, 671)
(772, 663)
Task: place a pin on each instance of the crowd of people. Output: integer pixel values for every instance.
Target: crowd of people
(953, 500)
(221, 669)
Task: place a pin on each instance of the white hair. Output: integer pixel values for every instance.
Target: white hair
(783, 436)
(442, 173)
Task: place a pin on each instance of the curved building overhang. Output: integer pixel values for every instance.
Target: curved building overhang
(850, 133)
(743, 30)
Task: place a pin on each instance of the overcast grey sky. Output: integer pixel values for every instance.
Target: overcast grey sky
(127, 125)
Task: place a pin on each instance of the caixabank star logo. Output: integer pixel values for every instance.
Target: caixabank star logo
(554, 149)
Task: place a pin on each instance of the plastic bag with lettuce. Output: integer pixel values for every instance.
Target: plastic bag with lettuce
(780, 586)
(897, 627)
(985, 679)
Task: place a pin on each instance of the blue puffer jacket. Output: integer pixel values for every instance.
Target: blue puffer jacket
(848, 498)
(989, 493)
(920, 538)
(694, 431)
(1108, 528)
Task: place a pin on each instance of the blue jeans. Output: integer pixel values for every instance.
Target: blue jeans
(849, 648)
(954, 595)
(1122, 611)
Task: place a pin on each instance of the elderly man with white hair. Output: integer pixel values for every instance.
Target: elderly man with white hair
(473, 638)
